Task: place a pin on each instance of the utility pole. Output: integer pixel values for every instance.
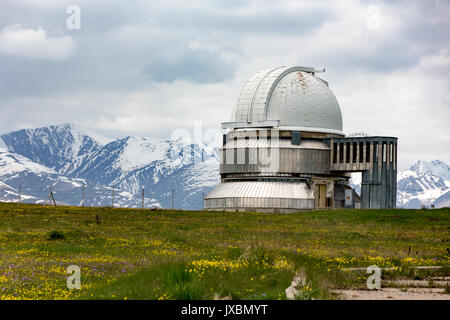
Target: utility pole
(112, 204)
(82, 197)
(142, 197)
(51, 193)
(173, 198)
(51, 197)
(20, 191)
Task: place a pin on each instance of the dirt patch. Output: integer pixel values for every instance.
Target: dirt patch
(394, 294)
(417, 283)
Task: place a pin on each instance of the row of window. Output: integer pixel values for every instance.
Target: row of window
(364, 155)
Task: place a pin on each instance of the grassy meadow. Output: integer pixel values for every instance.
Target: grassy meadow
(167, 254)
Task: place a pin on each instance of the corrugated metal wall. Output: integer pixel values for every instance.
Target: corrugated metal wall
(261, 194)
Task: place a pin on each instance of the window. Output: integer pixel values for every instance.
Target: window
(224, 156)
(347, 153)
(355, 148)
(367, 151)
(296, 138)
(341, 152)
(334, 152)
(361, 151)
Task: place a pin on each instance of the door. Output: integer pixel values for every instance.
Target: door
(322, 194)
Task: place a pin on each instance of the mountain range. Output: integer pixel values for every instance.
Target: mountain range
(73, 161)
(66, 157)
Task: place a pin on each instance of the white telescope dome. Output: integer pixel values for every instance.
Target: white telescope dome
(294, 97)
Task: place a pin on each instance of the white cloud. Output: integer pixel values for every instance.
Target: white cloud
(40, 3)
(142, 69)
(34, 43)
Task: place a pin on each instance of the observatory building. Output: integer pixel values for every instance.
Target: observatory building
(285, 150)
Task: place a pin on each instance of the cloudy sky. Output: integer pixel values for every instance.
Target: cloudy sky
(141, 67)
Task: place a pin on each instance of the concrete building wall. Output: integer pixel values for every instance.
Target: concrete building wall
(287, 160)
(376, 157)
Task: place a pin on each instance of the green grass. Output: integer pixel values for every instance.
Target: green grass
(167, 254)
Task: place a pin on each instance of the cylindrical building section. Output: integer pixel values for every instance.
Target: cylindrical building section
(263, 196)
(250, 156)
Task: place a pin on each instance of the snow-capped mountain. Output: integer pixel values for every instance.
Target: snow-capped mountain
(443, 201)
(9, 194)
(60, 147)
(423, 184)
(437, 168)
(158, 165)
(35, 180)
(128, 164)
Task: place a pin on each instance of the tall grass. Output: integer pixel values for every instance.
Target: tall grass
(167, 254)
